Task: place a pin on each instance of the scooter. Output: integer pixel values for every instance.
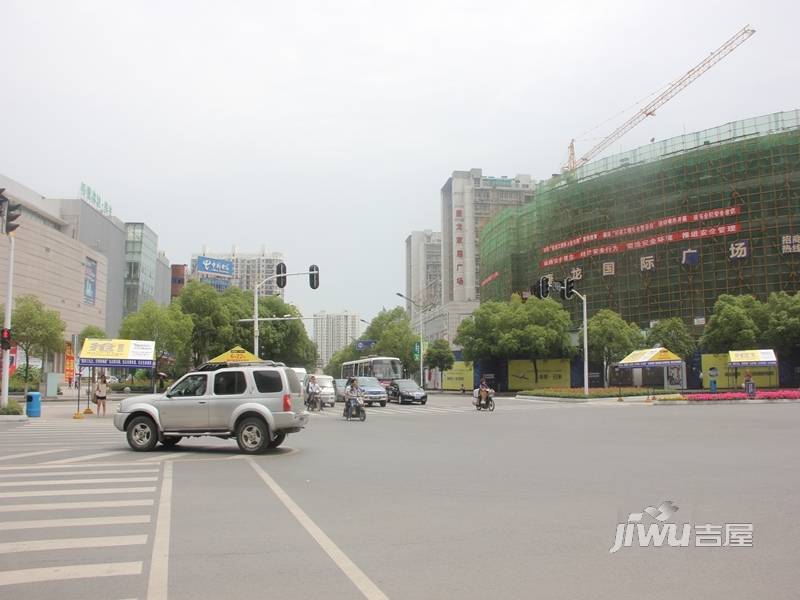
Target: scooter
(354, 409)
(313, 402)
(480, 404)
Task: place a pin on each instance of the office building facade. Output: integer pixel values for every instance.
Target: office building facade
(334, 331)
(423, 271)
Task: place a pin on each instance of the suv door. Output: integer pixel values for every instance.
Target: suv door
(229, 391)
(185, 406)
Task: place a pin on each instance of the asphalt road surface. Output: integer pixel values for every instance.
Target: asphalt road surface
(439, 501)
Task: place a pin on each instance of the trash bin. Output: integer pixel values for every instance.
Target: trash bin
(713, 386)
(33, 404)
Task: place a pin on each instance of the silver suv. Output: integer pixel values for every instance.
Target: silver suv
(253, 403)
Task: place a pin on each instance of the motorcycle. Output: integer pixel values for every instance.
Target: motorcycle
(483, 405)
(313, 402)
(354, 409)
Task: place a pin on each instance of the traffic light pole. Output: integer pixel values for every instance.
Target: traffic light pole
(7, 322)
(255, 303)
(585, 345)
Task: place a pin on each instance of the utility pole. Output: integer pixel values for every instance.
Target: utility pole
(10, 213)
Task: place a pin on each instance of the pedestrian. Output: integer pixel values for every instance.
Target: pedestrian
(462, 388)
(101, 392)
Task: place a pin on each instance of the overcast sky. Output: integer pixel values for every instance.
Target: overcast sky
(325, 130)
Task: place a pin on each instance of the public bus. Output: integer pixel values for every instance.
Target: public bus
(385, 368)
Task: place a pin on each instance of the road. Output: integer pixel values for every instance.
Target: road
(417, 502)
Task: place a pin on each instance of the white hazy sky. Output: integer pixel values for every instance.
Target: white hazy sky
(325, 130)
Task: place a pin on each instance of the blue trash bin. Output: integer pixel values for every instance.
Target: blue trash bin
(33, 404)
(713, 386)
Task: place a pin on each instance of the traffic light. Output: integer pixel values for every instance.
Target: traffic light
(568, 288)
(313, 276)
(280, 271)
(5, 340)
(12, 211)
(544, 287)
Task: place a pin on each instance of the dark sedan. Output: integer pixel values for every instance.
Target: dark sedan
(406, 390)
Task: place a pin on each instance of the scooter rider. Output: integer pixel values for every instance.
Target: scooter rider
(313, 394)
(484, 391)
(351, 394)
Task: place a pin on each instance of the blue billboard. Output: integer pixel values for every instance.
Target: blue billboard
(214, 266)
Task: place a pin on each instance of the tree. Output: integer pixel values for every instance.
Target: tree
(334, 366)
(611, 339)
(536, 330)
(729, 328)
(439, 355)
(36, 329)
(782, 331)
(673, 335)
(203, 304)
(167, 326)
(90, 332)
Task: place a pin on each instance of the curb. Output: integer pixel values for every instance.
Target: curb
(683, 402)
(13, 418)
(550, 399)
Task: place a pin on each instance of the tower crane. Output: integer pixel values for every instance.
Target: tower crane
(650, 109)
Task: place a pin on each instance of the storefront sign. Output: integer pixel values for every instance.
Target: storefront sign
(118, 353)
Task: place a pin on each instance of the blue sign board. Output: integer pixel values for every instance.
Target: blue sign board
(362, 345)
(214, 266)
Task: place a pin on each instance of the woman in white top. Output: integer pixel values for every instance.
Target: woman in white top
(100, 393)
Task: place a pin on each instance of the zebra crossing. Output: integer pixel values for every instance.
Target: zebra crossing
(64, 524)
(395, 410)
(61, 441)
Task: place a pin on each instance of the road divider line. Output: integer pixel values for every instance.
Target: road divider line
(73, 543)
(161, 458)
(158, 583)
(73, 505)
(27, 454)
(65, 461)
(347, 566)
(77, 481)
(78, 522)
(75, 466)
(77, 492)
(57, 473)
(70, 572)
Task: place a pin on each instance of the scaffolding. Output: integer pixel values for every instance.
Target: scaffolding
(665, 229)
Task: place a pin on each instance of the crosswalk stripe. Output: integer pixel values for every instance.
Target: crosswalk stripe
(68, 466)
(70, 572)
(98, 472)
(74, 505)
(77, 481)
(26, 454)
(78, 492)
(83, 458)
(72, 543)
(76, 522)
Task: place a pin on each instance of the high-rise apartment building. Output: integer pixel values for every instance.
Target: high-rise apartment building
(332, 332)
(423, 271)
(248, 269)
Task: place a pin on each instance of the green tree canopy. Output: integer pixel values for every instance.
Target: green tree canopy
(782, 332)
(611, 339)
(729, 328)
(91, 332)
(673, 335)
(439, 355)
(204, 305)
(168, 326)
(36, 329)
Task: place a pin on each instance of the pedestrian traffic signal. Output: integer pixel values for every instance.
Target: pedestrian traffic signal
(5, 339)
(313, 276)
(568, 288)
(280, 271)
(544, 287)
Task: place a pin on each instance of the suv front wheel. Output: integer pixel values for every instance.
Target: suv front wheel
(252, 436)
(142, 434)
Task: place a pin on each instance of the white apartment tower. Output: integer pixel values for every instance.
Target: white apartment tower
(423, 271)
(250, 269)
(333, 331)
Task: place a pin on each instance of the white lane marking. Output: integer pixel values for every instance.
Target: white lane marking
(73, 505)
(157, 586)
(79, 522)
(70, 572)
(77, 481)
(75, 466)
(78, 492)
(71, 543)
(58, 473)
(162, 457)
(347, 566)
(65, 461)
(26, 454)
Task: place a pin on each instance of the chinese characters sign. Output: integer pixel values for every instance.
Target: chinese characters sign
(490, 278)
(92, 197)
(739, 249)
(790, 244)
(458, 221)
(214, 266)
(90, 281)
(117, 353)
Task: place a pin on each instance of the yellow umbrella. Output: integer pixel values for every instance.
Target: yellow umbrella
(236, 354)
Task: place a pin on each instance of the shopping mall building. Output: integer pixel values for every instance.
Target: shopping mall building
(661, 231)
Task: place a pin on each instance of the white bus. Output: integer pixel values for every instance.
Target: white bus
(385, 368)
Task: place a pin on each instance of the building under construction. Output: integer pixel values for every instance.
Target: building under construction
(663, 230)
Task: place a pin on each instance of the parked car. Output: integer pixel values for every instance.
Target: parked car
(259, 405)
(112, 379)
(406, 390)
(374, 392)
(340, 385)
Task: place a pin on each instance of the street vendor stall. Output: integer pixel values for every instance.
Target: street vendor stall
(237, 354)
(126, 354)
(674, 367)
(747, 359)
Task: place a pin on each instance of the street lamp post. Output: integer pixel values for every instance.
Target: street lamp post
(421, 366)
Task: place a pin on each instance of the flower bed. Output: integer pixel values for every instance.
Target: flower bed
(609, 392)
(760, 395)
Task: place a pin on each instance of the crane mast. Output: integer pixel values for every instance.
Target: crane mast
(671, 91)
